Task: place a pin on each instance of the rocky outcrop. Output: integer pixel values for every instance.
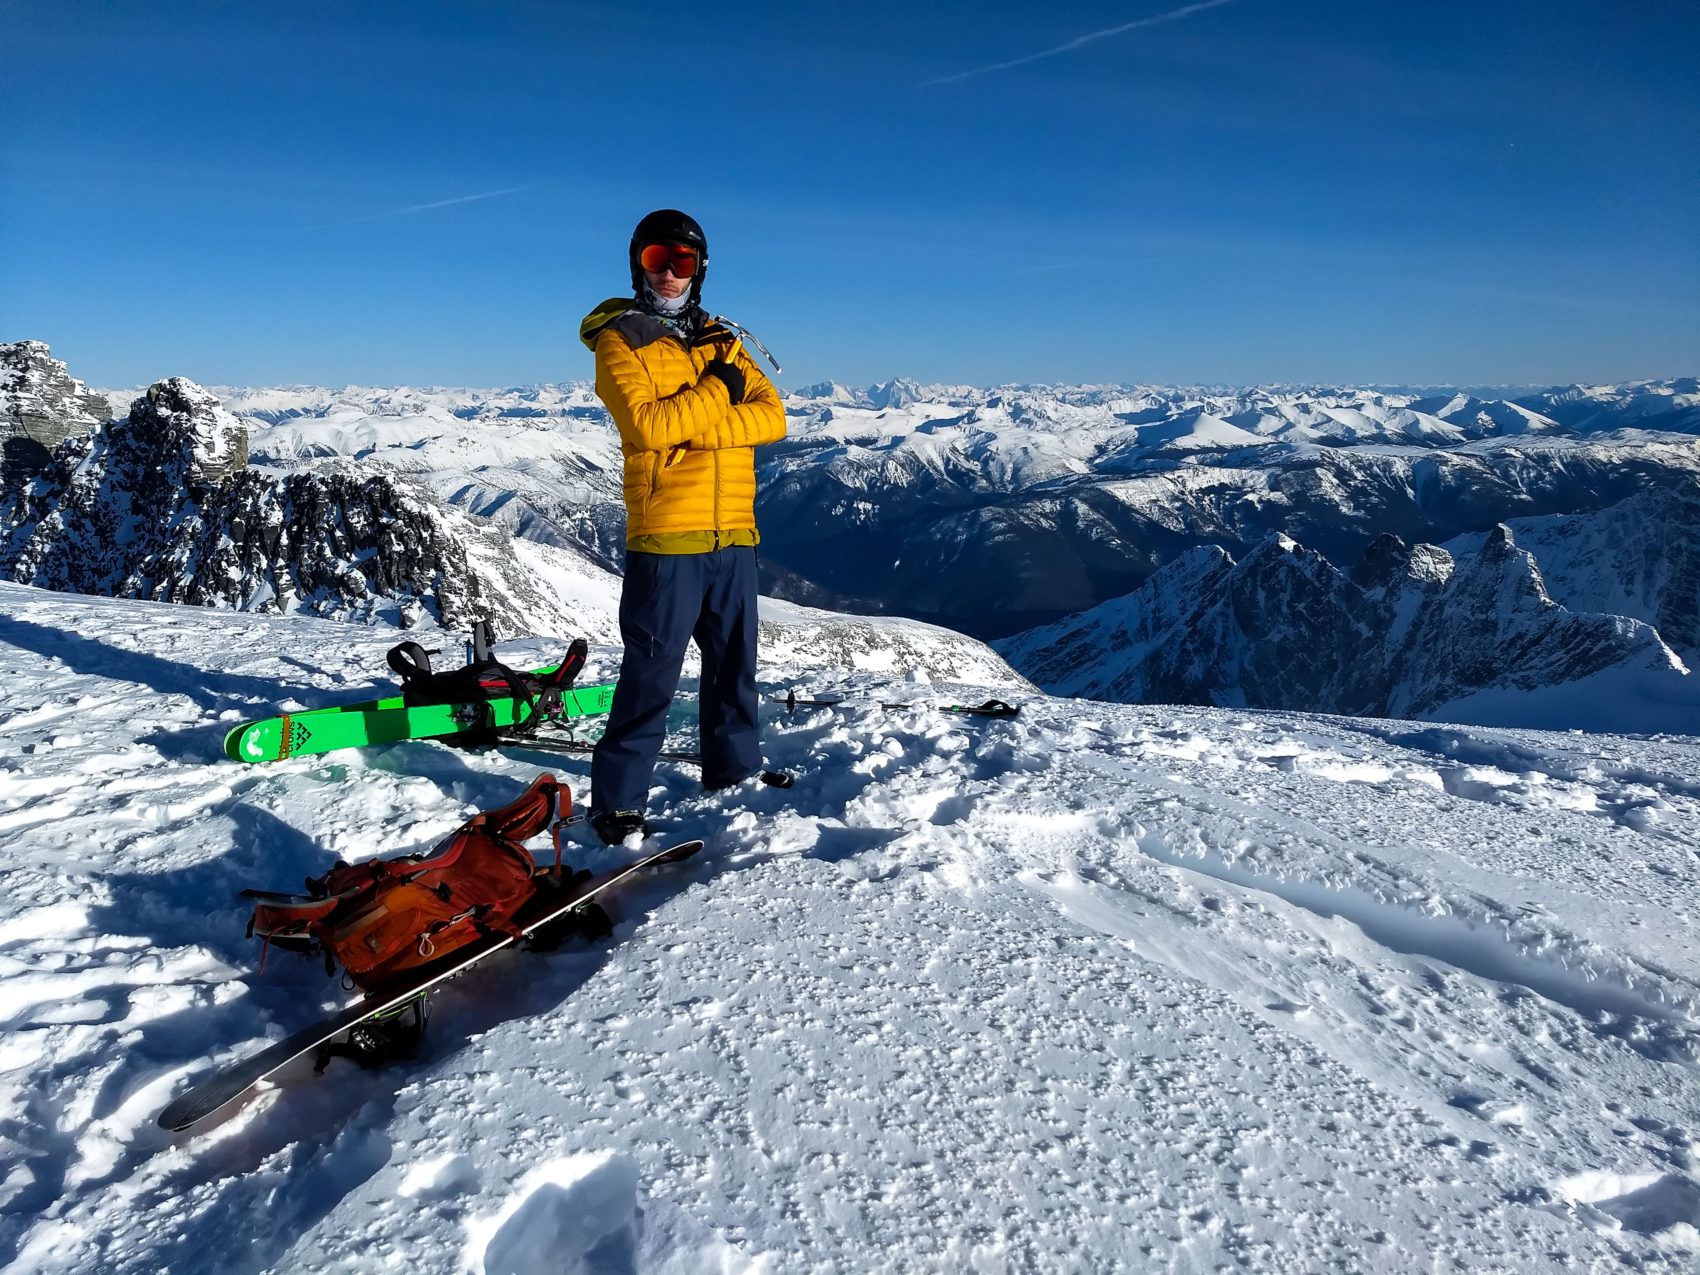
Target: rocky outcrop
(41, 405)
(180, 426)
(160, 505)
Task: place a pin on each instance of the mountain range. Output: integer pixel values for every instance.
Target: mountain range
(994, 511)
(1297, 547)
(999, 511)
(177, 501)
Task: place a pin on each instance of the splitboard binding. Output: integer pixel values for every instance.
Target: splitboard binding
(381, 1005)
(393, 1036)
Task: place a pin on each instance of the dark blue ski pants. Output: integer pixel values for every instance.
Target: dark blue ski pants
(667, 599)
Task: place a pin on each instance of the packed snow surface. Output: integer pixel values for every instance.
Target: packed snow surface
(1099, 988)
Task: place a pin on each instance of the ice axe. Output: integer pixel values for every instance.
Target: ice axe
(739, 335)
(743, 334)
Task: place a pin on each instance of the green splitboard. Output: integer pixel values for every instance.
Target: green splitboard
(383, 721)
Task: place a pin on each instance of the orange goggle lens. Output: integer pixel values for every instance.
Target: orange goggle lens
(657, 257)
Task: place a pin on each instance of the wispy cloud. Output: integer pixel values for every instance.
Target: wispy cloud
(437, 203)
(1078, 41)
(1602, 303)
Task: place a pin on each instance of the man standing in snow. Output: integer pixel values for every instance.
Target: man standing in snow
(691, 407)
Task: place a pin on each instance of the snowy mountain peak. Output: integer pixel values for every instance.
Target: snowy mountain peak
(178, 423)
(898, 392)
(826, 392)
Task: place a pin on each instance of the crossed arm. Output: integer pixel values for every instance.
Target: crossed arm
(700, 416)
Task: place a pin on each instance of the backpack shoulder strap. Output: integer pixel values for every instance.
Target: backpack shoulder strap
(530, 812)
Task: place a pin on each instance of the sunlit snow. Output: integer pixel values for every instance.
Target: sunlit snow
(1099, 988)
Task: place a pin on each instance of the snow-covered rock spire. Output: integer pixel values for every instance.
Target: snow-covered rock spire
(41, 405)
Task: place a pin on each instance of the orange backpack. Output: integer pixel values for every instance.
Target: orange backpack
(384, 917)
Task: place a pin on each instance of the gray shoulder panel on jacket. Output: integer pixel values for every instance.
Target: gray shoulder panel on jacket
(639, 329)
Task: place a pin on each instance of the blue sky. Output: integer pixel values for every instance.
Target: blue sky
(1243, 191)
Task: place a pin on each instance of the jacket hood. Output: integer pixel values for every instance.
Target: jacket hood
(601, 317)
(642, 327)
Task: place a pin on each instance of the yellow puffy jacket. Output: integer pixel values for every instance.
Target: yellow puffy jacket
(689, 463)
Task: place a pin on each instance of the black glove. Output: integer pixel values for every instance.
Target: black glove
(731, 374)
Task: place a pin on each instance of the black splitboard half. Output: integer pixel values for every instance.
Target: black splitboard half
(561, 744)
(991, 708)
(218, 1091)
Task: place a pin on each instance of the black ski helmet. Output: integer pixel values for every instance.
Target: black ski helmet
(669, 225)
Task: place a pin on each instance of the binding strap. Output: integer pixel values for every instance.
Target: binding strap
(561, 796)
(410, 662)
(553, 687)
(482, 642)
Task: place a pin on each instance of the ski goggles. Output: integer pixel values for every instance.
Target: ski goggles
(659, 257)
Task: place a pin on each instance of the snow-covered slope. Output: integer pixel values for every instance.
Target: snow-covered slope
(1099, 988)
(803, 637)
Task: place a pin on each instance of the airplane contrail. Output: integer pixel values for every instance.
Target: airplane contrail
(1075, 43)
(438, 203)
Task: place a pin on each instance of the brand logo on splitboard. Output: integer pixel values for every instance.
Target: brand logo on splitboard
(295, 736)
